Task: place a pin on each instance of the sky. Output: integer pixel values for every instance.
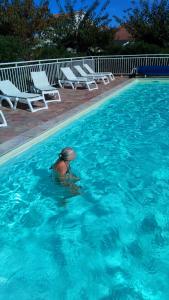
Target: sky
(116, 7)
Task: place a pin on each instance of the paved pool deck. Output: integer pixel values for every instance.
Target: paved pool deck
(23, 125)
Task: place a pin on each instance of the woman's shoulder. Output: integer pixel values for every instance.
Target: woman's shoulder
(60, 166)
(60, 163)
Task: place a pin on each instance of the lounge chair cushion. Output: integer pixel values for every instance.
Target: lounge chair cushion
(153, 70)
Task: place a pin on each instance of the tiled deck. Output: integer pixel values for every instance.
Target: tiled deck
(21, 121)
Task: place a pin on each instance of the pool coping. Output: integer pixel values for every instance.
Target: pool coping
(24, 141)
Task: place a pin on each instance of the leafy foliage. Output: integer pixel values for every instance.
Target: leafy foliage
(47, 52)
(12, 49)
(148, 22)
(43, 35)
(23, 18)
(86, 30)
(29, 31)
(21, 23)
(138, 47)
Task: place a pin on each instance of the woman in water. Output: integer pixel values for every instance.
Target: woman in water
(62, 165)
(62, 171)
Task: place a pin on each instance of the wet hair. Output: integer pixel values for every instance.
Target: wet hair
(64, 154)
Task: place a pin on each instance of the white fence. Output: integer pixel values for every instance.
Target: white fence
(19, 72)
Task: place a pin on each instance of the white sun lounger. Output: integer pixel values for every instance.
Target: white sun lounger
(92, 76)
(90, 70)
(74, 81)
(11, 93)
(4, 123)
(42, 85)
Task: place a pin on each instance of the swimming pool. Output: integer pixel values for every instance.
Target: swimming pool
(112, 240)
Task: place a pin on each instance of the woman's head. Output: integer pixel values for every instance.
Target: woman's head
(67, 154)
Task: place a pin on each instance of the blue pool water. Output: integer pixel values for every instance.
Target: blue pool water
(112, 240)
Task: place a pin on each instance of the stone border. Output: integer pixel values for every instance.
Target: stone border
(22, 142)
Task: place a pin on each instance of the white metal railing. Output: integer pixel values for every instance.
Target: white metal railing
(19, 72)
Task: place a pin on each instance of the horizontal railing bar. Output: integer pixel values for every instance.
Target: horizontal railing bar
(37, 65)
(44, 60)
(17, 63)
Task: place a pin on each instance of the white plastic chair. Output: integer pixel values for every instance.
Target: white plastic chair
(4, 123)
(90, 70)
(92, 76)
(74, 81)
(42, 85)
(11, 93)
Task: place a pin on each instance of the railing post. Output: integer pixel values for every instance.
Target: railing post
(122, 70)
(40, 66)
(58, 75)
(93, 64)
(98, 64)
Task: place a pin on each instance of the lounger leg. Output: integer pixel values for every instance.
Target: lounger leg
(59, 99)
(15, 103)
(30, 106)
(111, 76)
(60, 84)
(4, 124)
(87, 85)
(94, 88)
(73, 86)
(105, 80)
(45, 103)
(52, 93)
(36, 109)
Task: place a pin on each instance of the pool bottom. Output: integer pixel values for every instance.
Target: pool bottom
(109, 242)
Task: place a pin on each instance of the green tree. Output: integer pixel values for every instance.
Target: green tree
(21, 23)
(23, 19)
(148, 21)
(12, 49)
(85, 30)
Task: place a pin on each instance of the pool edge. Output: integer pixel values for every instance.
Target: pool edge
(69, 117)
